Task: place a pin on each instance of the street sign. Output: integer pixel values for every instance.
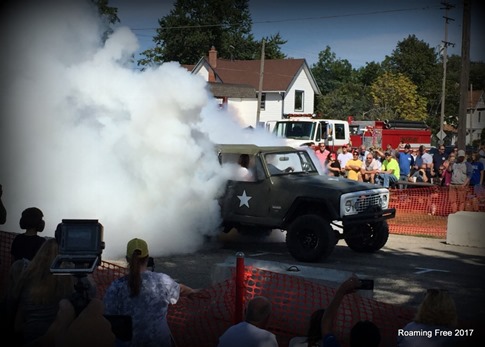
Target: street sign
(441, 135)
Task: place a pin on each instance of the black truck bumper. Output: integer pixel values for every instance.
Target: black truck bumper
(371, 215)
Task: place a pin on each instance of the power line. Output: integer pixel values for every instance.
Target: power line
(359, 14)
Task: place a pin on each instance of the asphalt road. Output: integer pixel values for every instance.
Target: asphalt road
(402, 270)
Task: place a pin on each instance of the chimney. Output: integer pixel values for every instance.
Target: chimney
(212, 63)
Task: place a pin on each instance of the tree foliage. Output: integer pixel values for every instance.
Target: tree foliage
(194, 26)
(331, 72)
(397, 96)
(349, 99)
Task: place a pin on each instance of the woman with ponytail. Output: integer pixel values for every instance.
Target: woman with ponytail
(144, 296)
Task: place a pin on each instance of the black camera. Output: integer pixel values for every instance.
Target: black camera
(80, 246)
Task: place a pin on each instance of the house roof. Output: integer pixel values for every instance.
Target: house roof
(232, 90)
(474, 98)
(278, 73)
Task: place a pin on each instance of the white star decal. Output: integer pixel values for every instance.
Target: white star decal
(244, 199)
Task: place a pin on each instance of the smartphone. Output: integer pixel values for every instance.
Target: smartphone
(366, 284)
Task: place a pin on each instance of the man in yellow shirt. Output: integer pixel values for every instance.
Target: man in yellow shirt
(353, 167)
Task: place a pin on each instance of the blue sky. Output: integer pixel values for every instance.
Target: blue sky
(359, 31)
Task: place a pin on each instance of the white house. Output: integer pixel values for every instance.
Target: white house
(475, 115)
(289, 87)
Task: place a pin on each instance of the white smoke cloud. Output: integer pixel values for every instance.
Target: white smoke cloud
(86, 136)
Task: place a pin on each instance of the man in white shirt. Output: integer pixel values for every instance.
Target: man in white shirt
(252, 331)
(344, 156)
(370, 167)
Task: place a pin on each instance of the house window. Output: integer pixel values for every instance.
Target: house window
(299, 100)
(262, 105)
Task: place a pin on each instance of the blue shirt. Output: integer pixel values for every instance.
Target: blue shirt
(148, 310)
(477, 169)
(405, 162)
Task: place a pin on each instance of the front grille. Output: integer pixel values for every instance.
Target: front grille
(364, 202)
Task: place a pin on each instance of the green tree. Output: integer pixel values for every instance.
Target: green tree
(396, 95)
(369, 73)
(109, 13)
(331, 72)
(271, 47)
(194, 26)
(349, 99)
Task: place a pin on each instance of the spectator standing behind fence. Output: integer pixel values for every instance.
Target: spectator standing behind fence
(344, 157)
(3, 211)
(26, 245)
(354, 167)
(436, 311)
(406, 162)
(477, 174)
(389, 173)
(369, 168)
(363, 152)
(314, 335)
(461, 173)
(481, 153)
(419, 175)
(145, 296)
(37, 294)
(438, 160)
(333, 165)
(423, 158)
(322, 153)
(252, 331)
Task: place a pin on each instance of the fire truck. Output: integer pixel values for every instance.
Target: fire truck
(300, 131)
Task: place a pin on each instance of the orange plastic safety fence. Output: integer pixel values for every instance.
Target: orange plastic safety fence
(423, 211)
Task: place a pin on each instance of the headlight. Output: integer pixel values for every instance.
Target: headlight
(348, 206)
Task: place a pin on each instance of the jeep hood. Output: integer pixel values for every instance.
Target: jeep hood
(319, 182)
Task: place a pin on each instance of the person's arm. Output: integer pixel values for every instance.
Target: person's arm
(348, 286)
(186, 290)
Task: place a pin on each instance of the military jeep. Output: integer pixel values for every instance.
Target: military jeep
(286, 192)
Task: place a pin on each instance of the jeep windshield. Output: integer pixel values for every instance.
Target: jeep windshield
(289, 163)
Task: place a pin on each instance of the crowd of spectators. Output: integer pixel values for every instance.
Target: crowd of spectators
(401, 166)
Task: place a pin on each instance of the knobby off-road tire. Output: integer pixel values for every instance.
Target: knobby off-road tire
(367, 238)
(310, 238)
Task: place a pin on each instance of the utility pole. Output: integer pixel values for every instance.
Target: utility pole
(447, 7)
(260, 91)
(465, 73)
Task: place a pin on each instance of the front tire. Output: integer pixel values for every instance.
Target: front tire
(367, 238)
(310, 238)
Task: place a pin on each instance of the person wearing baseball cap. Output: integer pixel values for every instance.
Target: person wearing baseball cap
(144, 296)
(461, 173)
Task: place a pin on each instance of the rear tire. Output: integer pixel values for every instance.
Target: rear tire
(310, 238)
(367, 238)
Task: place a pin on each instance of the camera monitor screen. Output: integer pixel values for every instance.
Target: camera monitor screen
(80, 237)
(80, 246)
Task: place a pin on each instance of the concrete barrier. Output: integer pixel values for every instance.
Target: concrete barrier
(466, 229)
